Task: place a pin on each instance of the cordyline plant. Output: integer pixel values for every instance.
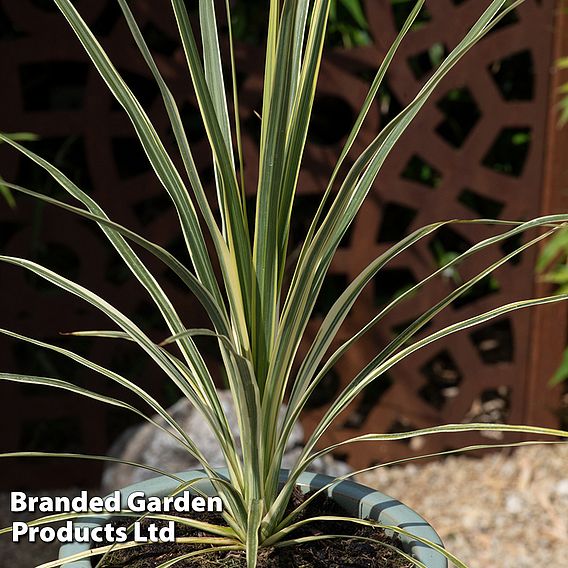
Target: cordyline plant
(256, 321)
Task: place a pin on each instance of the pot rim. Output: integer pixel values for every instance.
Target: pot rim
(358, 500)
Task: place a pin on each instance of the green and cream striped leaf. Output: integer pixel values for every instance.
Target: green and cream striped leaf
(216, 313)
(253, 524)
(70, 387)
(307, 281)
(127, 545)
(235, 220)
(196, 553)
(89, 457)
(363, 380)
(199, 525)
(227, 261)
(204, 383)
(299, 119)
(115, 377)
(368, 523)
(465, 449)
(214, 77)
(367, 104)
(154, 148)
(376, 371)
(310, 274)
(444, 429)
(271, 172)
(189, 385)
(304, 385)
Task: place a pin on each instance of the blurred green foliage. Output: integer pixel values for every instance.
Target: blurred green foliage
(347, 25)
(552, 266)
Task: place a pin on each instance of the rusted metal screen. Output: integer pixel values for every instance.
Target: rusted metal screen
(476, 150)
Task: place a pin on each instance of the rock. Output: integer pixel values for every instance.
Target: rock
(148, 445)
(514, 503)
(561, 488)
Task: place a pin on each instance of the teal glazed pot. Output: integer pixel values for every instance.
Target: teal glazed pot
(358, 501)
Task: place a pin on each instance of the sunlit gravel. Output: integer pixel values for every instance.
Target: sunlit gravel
(501, 511)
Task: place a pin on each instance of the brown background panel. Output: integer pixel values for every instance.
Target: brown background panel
(468, 376)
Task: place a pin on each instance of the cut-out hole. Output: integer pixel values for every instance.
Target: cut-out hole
(303, 212)
(144, 89)
(485, 287)
(129, 157)
(7, 29)
(118, 422)
(492, 406)
(511, 244)
(7, 231)
(128, 363)
(494, 342)
(515, 76)
(447, 244)
(509, 20)
(332, 120)
(116, 271)
(386, 99)
(178, 249)
(149, 209)
(422, 172)
(171, 394)
(443, 380)
(158, 40)
(462, 114)
(400, 327)
(59, 258)
(249, 22)
(445, 247)
(401, 425)
(428, 60)
(45, 5)
(104, 24)
(371, 396)
(52, 435)
(147, 316)
(391, 283)
(334, 285)
(31, 360)
(396, 222)
(252, 125)
(326, 391)
(53, 85)
(401, 9)
(67, 154)
(347, 26)
(484, 206)
(389, 105)
(192, 123)
(509, 152)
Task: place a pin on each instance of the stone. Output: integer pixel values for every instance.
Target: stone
(146, 444)
(561, 488)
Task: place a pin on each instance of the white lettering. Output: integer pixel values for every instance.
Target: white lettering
(136, 502)
(18, 502)
(19, 529)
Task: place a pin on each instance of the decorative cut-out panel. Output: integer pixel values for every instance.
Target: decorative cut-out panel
(474, 151)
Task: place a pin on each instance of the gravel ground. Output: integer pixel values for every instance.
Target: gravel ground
(500, 511)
